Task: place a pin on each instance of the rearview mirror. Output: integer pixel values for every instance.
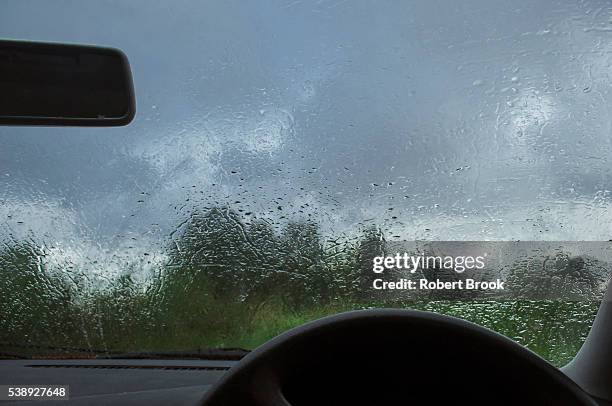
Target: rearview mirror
(65, 85)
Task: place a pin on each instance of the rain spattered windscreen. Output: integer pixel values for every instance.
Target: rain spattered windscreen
(281, 145)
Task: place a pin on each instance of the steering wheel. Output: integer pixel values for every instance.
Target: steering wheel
(393, 357)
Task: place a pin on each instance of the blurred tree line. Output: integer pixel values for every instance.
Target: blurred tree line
(222, 276)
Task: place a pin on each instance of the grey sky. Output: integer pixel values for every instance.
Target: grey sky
(432, 119)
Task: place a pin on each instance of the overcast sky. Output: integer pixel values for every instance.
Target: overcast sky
(433, 119)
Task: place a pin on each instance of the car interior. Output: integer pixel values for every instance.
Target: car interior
(305, 203)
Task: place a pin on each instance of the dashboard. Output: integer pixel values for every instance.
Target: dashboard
(127, 382)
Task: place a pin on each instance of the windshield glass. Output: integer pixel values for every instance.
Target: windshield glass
(280, 144)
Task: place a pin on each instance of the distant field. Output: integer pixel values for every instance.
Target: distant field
(554, 330)
(206, 297)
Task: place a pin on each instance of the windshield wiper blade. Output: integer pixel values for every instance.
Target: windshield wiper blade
(15, 350)
(59, 352)
(11, 355)
(222, 354)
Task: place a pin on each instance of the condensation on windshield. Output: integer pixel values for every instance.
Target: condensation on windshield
(279, 145)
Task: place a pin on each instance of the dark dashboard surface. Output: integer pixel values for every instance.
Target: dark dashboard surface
(110, 381)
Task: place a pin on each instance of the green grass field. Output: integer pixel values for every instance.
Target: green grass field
(554, 330)
(223, 289)
(139, 322)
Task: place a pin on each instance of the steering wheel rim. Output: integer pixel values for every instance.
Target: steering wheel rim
(269, 375)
